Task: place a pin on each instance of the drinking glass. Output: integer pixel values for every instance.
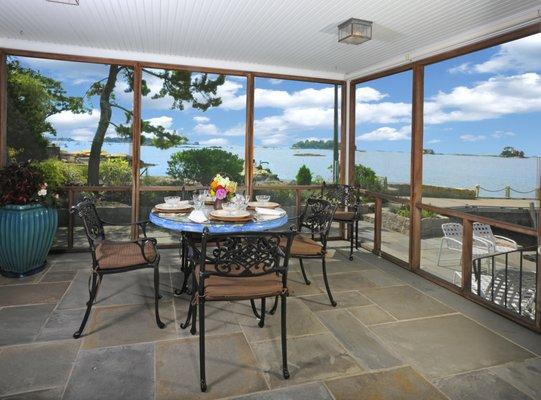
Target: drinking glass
(198, 201)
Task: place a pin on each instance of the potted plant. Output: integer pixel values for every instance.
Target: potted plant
(28, 220)
(222, 189)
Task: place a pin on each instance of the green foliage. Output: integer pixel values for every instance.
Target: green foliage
(32, 98)
(115, 172)
(58, 173)
(314, 144)
(405, 211)
(201, 165)
(366, 178)
(24, 184)
(304, 176)
(509, 151)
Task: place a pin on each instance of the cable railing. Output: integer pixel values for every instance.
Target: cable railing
(507, 192)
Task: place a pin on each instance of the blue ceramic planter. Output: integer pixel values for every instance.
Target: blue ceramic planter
(26, 236)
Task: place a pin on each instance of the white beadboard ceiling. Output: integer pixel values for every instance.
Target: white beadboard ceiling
(283, 36)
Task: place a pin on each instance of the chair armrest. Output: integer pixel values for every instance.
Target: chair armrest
(506, 239)
(143, 242)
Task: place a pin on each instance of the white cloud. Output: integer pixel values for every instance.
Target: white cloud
(387, 133)
(501, 134)
(366, 93)
(383, 113)
(434, 141)
(520, 55)
(472, 138)
(206, 129)
(274, 81)
(68, 119)
(164, 121)
(462, 68)
(229, 93)
(214, 142)
(201, 119)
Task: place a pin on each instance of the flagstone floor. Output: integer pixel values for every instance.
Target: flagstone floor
(393, 335)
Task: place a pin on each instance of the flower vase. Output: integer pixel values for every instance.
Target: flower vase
(218, 204)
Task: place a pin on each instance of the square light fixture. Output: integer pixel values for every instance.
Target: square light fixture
(71, 2)
(355, 31)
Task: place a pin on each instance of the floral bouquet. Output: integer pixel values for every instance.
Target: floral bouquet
(222, 188)
(22, 184)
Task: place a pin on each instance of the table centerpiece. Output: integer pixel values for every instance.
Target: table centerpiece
(222, 189)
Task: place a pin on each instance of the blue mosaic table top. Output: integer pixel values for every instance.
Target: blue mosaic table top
(181, 223)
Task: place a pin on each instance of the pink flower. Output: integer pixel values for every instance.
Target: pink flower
(221, 194)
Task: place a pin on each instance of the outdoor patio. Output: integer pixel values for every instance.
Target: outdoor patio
(393, 335)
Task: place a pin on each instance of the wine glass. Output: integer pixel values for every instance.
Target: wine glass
(198, 201)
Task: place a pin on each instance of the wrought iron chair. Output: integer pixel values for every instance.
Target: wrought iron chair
(347, 199)
(113, 257)
(316, 218)
(245, 266)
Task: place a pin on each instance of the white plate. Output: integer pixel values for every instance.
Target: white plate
(230, 215)
(263, 204)
(173, 207)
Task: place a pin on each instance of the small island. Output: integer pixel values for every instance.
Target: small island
(511, 152)
(314, 144)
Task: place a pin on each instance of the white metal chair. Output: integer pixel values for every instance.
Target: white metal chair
(452, 240)
(499, 244)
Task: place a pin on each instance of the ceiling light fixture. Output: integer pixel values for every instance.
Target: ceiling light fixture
(355, 31)
(70, 2)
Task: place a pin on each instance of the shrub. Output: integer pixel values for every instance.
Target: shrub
(24, 184)
(201, 165)
(404, 211)
(366, 178)
(115, 172)
(304, 176)
(58, 173)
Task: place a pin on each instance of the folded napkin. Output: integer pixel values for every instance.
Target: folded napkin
(269, 211)
(197, 216)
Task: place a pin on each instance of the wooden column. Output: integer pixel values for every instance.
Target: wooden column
(136, 145)
(467, 254)
(343, 132)
(3, 111)
(377, 226)
(351, 140)
(416, 175)
(249, 138)
(538, 272)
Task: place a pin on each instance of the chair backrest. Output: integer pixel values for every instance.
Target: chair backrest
(483, 231)
(92, 223)
(342, 195)
(317, 217)
(452, 230)
(245, 254)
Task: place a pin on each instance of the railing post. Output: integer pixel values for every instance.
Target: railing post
(508, 192)
(298, 201)
(249, 134)
(3, 111)
(467, 254)
(377, 226)
(71, 218)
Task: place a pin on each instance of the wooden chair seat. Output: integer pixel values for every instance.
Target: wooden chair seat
(230, 288)
(344, 216)
(303, 245)
(111, 255)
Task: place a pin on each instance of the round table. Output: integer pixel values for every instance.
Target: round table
(181, 223)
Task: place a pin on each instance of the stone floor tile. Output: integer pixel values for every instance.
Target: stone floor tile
(124, 372)
(133, 287)
(230, 368)
(310, 358)
(358, 340)
(337, 265)
(22, 324)
(32, 293)
(4, 280)
(479, 385)
(524, 375)
(309, 391)
(221, 317)
(61, 325)
(320, 302)
(300, 321)
(45, 394)
(401, 383)
(345, 281)
(371, 314)
(297, 287)
(111, 326)
(380, 278)
(36, 366)
(448, 345)
(405, 302)
(58, 276)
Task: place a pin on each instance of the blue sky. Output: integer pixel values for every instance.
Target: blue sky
(475, 104)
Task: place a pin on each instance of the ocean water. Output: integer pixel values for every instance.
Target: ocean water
(460, 171)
